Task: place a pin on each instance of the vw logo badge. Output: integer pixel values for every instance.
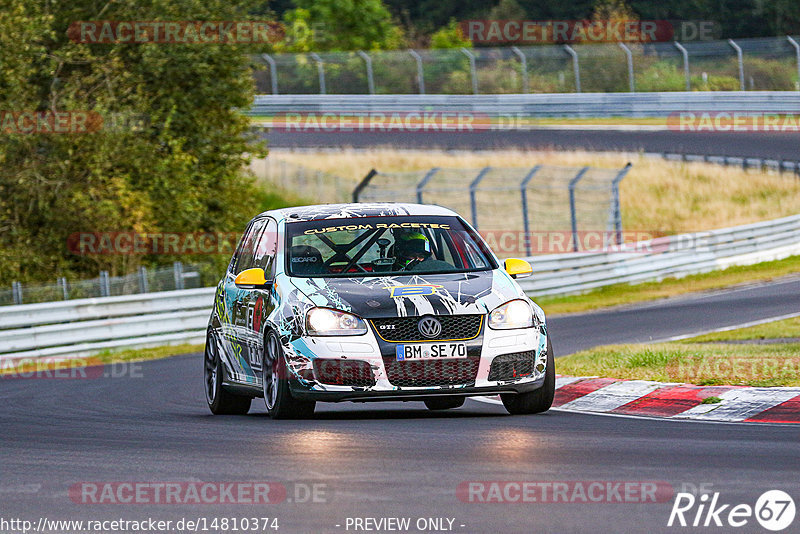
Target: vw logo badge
(429, 327)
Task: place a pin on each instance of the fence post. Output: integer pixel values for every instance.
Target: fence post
(16, 292)
(631, 83)
(370, 79)
(143, 286)
(741, 63)
(575, 67)
(523, 190)
(177, 272)
(572, 214)
(420, 72)
(797, 53)
(105, 284)
(320, 71)
(364, 183)
(422, 183)
(473, 72)
(62, 282)
(615, 194)
(685, 54)
(523, 64)
(472, 190)
(273, 72)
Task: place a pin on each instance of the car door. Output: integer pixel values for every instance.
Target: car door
(259, 303)
(236, 300)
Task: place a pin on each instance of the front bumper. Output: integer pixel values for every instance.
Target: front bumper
(306, 384)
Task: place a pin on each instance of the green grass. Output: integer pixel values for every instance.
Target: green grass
(703, 360)
(620, 294)
(139, 355)
(788, 328)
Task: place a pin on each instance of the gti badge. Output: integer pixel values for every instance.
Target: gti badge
(429, 327)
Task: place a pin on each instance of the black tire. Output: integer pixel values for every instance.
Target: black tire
(220, 401)
(444, 403)
(536, 401)
(277, 396)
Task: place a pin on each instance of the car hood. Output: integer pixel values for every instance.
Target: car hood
(390, 296)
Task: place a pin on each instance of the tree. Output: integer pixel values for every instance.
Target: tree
(178, 170)
(336, 25)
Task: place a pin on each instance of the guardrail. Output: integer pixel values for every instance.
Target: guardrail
(79, 327)
(84, 326)
(517, 106)
(670, 256)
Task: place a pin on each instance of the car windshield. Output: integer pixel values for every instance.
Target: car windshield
(370, 246)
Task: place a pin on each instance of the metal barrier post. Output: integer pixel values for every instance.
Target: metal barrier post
(572, 214)
(177, 272)
(523, 189)
(105, 285)
(523, 62)
(615, 194)
(472, 190)
(472, 70)
(797, 53)
(422, 183)
(273, 72)
(16, 292)
(143, 288)
(685, 54)
(631, 84)
(62, 283)
(420, 72)
(575, 67)
(320, 71)
(364, 183)
(741, 63)
(370, 79)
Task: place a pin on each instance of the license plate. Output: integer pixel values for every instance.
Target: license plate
(430, 351)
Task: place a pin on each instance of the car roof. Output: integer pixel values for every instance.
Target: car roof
(350, 211)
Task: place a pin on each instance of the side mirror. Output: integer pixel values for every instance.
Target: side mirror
(251, 279)
(518, 268)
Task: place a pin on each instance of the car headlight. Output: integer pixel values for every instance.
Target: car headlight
(513, 314)
(328, 322)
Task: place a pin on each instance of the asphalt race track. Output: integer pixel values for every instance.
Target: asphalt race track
(739, 144)
(391, 459)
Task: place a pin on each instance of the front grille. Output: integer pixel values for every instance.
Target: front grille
(357, 373)
(513, 366)
(426, 373)
(454, 327)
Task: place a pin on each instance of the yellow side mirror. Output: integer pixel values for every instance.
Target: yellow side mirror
(518, 268)
(251, 279)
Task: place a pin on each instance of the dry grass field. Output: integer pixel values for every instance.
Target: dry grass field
(659, 196)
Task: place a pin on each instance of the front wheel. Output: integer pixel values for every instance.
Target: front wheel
(220, 401)
(538, 400)
(277, 397)
(444, 403)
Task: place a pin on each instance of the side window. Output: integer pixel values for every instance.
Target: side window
(266, 248)
(244, 256)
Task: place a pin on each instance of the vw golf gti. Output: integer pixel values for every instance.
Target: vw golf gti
(371, 302)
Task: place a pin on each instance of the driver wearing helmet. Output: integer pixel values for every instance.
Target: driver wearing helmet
(413, 253)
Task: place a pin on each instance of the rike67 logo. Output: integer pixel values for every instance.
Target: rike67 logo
(774, 510)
